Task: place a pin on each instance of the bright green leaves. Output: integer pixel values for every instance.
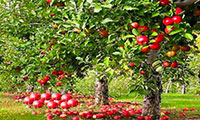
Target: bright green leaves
(97, 8)
(176, 31)
(130, 8)
(188, 36)
(107, 20)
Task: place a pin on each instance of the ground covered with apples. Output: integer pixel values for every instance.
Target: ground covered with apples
(35, 106)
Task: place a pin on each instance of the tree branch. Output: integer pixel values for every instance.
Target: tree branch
(184, 3)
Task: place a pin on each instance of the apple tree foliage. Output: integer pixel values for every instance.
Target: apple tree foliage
(39, 38)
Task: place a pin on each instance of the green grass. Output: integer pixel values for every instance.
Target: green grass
(170, 101)
(10, 110)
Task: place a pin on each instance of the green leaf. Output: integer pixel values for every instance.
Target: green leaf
(130, 8)
(155, 14)
(128, 36)
(107, 20)
(116, 53)
(154, 34)
(107, 6)
(189, 36)
(107, 61)
(135, 32)
(97, 8)
(176, 31)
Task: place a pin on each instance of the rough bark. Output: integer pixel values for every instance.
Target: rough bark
(101, 92)
(183, 3)
(183, 89)
(151, 103)
(168, 87)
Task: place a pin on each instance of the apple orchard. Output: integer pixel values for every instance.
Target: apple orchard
(49, 44)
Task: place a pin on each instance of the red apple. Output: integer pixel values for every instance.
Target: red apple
(145, 49)
(143, 28)
(52, 105)
(64, 105)
(45, 96)
(174, 64)
(66, 97)
(37, 104)
(178, 11)
(56, 96)
(159, 38)
(28, 100)
(142, 40)
(154, 46)
(167, 21)
(134, 25)
(177, 19)
(35, 96)
(166, 64)
(72, 102)
(131, 64)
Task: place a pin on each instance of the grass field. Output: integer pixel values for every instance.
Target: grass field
(10, 110)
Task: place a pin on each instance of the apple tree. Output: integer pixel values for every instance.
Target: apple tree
(144, 37)
(133, 36)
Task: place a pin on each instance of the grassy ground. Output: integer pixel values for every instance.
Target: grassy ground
(9, 110)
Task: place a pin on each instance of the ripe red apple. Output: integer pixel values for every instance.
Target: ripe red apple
(49, 1)
(131, 64)
(117, 117)
(64, 105)
(143, 28)
(177, 19)
(134, 25)
(148, 118)
(60, 72)
(75, 118)
(159, 38)
(142, 40)
(154, 46)
(174, 64)
(28, 100)
(54, 72)
(72, 102)
(140, 118)
(178, 11)
(145, 50)
(35, 96)
(66, 97)
(56, 96)
(45, 96)
(164, 2)
(167, 21)
(58, 83)
(37, 104)
(166, 64)
(168, 30)
(142, 72)
(52, 105)
(46, 78)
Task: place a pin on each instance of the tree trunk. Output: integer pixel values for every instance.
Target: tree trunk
(151, 103)
(101, 92)
(168, 86)
(183, 89)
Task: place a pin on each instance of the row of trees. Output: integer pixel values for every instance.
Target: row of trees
(50, 43)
